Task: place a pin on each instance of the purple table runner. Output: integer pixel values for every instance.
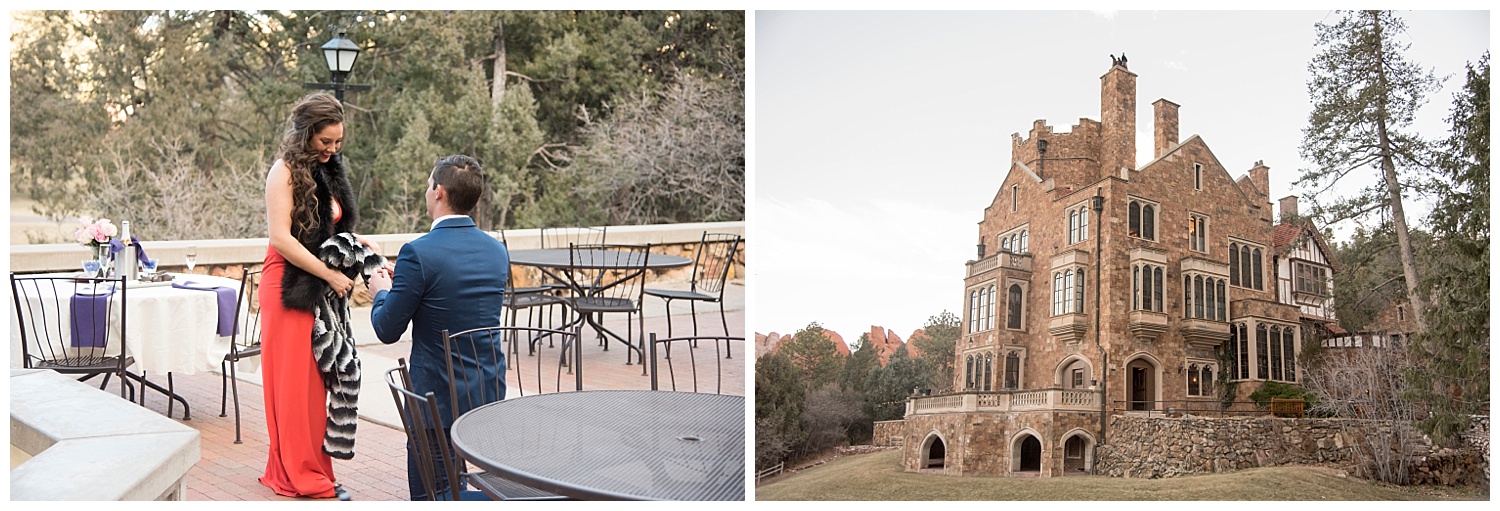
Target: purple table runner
(227, 304)
(90, 318)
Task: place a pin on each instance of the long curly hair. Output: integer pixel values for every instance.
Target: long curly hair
(309, 116)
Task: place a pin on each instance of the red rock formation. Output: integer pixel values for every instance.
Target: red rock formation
(911, 345)
(769, 343)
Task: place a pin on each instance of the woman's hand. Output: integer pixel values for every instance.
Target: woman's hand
(340, 284)
(374, 247)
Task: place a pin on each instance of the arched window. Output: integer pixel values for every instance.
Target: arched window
(989, 373)
(990, 315)
(969, 372)
(1148, 222)
(1198, 297)
(1078, 293)
(1083, 223)
(1012, 371)
(1258, 279)
(1192, 382)
(1057, 293)
(1234, 264)
(1222, 315)
(1072, 226)
(1262, 362)
(1023, 240)
(1156, 297)
(973, 311)
(1013, 319)
(1245, 267)
(1208, 380)
(1211, 301)
(1135, 219)
(1005, 244)
(1244, 351)
(1288, 346)
(1275, 352)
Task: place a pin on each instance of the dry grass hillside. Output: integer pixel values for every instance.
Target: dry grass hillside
(878, 476)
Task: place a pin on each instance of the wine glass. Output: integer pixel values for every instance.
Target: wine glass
(192, 257)
(91, 267)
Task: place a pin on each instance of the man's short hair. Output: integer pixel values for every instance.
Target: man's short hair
(463, 179)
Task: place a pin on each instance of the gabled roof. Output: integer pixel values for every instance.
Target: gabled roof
(1289, 232)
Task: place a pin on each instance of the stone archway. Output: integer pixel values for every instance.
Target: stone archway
(1078, 453)
(934, 453)
(1141, 384)
(1030, 455)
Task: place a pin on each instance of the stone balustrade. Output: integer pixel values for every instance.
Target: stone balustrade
(226, 257)
(1054, 399)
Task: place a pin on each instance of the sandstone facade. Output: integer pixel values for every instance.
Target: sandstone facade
(1146, 296)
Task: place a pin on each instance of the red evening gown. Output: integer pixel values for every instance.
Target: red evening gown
(295, 401)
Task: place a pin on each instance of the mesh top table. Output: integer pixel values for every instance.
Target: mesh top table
(561, 263)
(612, 444)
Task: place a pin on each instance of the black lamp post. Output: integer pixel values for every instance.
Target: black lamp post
(340, 53)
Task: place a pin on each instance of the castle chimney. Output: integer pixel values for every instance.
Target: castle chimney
(1260, 176)
(1117, 115)
(1166, 126)
(1288, 207)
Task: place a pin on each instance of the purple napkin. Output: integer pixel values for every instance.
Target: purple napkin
(90, 319)
(115, 246)
(226, 303)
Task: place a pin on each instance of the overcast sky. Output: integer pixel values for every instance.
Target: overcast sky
(880, 137)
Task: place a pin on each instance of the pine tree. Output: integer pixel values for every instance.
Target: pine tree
(1450, 360)
(1365, 95)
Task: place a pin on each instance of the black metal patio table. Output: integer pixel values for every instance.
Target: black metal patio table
(561, 264)
(612, 444)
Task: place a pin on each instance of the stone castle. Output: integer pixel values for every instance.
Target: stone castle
(1102, 288)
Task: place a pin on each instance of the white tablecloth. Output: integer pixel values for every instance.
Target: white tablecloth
(167, 329)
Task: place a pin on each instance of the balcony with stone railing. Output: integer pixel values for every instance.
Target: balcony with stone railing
(1051, 399)
(1007, 260)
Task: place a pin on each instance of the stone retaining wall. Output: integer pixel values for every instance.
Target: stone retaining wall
(1169, 446)
(888, 433)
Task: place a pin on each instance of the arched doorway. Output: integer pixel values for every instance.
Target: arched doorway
(1075, 455)
(1031, 454)
(933, 453)
(1141, 384)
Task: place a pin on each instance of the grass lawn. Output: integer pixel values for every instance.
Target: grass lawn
(878, 476)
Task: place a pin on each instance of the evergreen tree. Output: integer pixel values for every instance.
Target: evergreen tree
(814, 355)
(939, 348)
(887, 388)
(1365, 95)
(1450, 359)
(779, 395)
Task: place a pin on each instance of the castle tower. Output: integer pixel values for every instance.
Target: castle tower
(1117, 114)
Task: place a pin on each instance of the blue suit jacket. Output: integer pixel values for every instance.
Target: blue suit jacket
(452, 278)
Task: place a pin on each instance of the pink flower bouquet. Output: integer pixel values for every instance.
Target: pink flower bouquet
(96, 233)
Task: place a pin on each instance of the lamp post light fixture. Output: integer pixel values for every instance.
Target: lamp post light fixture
(340, 53)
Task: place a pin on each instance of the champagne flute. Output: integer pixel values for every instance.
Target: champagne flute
(192, 257)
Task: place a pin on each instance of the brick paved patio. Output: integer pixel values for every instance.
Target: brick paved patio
(228, 471)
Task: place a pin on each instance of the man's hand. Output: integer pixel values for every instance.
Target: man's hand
(380, 281)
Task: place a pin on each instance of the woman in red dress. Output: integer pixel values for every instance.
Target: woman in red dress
(308, 200)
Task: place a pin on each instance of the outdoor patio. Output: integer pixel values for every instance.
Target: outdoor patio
(228, 471)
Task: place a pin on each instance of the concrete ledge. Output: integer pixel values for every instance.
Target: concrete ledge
(252, 251)
(91, 445)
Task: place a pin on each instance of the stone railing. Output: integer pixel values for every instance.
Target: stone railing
(225, 257)
(1153, 447)
(1007, 401)
(86, 444)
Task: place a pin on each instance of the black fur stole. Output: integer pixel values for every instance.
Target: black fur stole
(299, 289)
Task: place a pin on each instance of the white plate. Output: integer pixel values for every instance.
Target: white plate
(91, 290)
